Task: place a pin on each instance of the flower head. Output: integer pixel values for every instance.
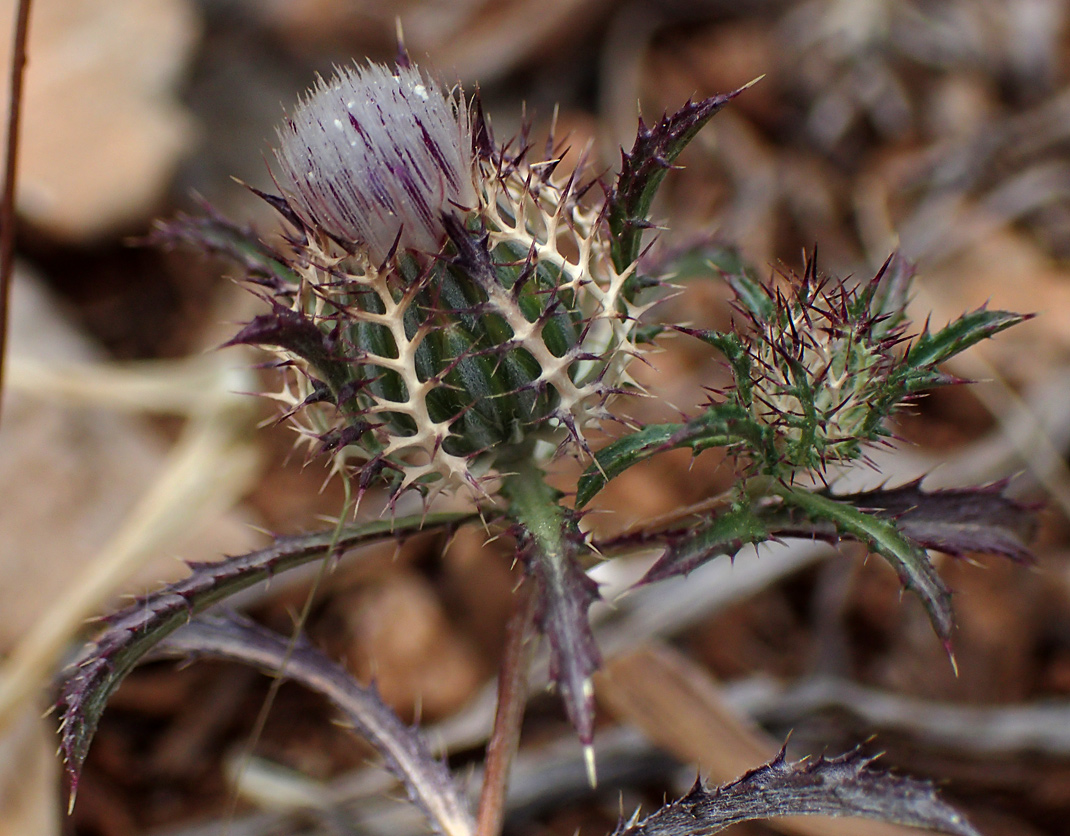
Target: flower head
(373, 157)
(501, 322)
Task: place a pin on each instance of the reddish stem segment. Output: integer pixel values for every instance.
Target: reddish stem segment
(512, 697)
(7, 202)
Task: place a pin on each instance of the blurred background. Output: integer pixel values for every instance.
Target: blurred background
(938, 128)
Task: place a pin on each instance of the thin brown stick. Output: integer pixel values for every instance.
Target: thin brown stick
(7, 202)
(505, 736)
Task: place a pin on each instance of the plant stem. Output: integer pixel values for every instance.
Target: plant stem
(534, 505)
(550, 544)
(7, 201)
(512, 696)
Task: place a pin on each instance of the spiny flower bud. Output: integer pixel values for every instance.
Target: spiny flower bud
(821, 360)
(373, 158)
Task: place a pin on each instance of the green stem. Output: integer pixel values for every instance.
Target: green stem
(536, 506)
(550, 544)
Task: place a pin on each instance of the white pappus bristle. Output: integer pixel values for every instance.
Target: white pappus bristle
(371, 153)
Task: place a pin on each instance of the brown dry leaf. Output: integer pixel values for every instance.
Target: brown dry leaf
(678, 705)
(102, 129)
(29, 771)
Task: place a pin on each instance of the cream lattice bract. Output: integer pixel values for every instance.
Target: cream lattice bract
(454, 302)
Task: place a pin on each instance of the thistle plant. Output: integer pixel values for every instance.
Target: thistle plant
(450, 314)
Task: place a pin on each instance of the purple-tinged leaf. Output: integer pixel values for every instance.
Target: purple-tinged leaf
(564, 594)
(644, 167)
(428, 781)
(911, 563)
(956, 521)
(843, 786)
(889, 293)
(724, 534)
(215, 234)
(288, 329)
(549, 545)
(131, 633)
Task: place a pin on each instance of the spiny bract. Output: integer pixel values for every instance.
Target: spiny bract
(454, 302)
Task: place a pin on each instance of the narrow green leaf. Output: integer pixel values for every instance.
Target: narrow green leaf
(724, 534)
(931, 349)
(731, 345)
(910, 561)
(613, 460)
(720, 425)
(752, 295)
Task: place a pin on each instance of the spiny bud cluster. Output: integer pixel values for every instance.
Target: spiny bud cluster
(454, 301)
(821, 356)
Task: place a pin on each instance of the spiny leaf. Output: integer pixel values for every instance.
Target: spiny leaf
(724, 534)
(718, 425)
(613, 460)
(699, 258)
(214, 234)
(751, 295)
(131, 633)
(428, 781)
(297, 333)
(956, 520)
(550, 544)
(843, 786)
(565, 593)
(731, 345)
(929, 349)
(644, 168)
(889, 292)
(910, 561)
